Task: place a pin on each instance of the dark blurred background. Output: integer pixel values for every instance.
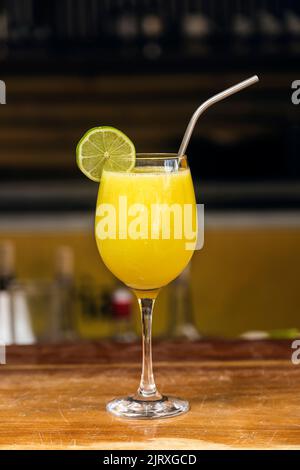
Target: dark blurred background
(144, 66)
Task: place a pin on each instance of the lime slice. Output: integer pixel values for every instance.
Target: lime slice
(104, 147)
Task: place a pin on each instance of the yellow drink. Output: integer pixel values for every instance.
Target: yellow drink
(148, 262)
(146, 232)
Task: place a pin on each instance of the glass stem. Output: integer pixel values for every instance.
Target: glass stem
(147, 388)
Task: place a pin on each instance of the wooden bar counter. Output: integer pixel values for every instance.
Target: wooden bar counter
(242, 395)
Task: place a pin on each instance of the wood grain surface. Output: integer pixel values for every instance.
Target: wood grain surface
(242, 395)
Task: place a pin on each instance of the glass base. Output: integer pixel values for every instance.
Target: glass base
(131, 408)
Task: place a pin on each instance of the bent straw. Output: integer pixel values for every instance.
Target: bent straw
(214, 99)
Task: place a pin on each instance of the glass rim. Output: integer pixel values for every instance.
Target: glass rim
(159, 156)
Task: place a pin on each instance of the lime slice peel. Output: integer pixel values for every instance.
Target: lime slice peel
(104, 148)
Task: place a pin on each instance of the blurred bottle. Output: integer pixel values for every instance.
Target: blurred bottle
(122, 303)
(292, 28)
(181, 321)
(122, 29)
(126, 21)
(3, 22)
(196, 29)
(292, 22)
(243, 28)
(269, 23)
(243, 25)
(62, 319)
(152, 28)
(89, 299)
(195, 24)
(20, 20)
(43, 16)
(7, 258)
(15, 319)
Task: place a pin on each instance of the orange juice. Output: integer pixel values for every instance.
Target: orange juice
(151, 258)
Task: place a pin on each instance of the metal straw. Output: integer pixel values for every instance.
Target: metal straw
(214, 99)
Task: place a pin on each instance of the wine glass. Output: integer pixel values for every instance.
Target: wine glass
(146, 233)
